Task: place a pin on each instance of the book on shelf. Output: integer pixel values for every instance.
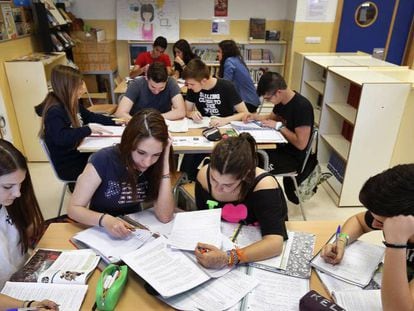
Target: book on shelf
(8, 21)
(108, 247)
(52, 11)
(358, 265)
(257, 28)
(354, 95)
(57, 266)
(56, 43)
(272, 35)
(336, 165)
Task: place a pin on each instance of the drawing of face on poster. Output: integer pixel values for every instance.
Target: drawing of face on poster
(147, 18)
(133, 8)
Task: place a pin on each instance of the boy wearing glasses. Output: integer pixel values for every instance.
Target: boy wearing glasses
(157, 54)
(292, 116)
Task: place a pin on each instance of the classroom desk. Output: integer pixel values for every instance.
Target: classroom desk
(108, 141)
(134, 296)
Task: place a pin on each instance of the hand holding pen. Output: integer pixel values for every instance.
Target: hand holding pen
(210, 256)
(333, 253)
(117, 227)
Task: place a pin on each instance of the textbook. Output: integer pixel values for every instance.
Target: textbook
(259, 133)
(108, 247)
(57, 266)
(358, 266)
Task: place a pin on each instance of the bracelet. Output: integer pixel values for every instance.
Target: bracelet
(279, 125)
(29, 304)
(345, 236)
(166, 176)
(100, 220)
(240, 254)
(391, 245)
(25, 302)
(232, 258)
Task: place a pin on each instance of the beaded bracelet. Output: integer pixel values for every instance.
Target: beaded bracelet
(232, 258)
(100, 220)
(345, 236)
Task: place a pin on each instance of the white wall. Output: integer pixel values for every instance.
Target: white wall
(190, 9)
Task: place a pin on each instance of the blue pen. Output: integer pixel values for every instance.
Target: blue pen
(338, 231)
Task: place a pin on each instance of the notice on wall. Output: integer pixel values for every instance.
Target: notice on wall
(146, 21)
(220, 27)
(317, 10)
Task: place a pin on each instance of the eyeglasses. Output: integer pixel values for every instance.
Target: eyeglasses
(269, 96)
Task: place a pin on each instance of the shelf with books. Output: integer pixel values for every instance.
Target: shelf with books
(354, 142)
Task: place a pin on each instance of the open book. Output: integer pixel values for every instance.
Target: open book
(108, 247)
(260, 134)
(58, 266)
(358, 266)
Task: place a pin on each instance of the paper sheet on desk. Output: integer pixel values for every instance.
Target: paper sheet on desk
(96, 143)
(260, 134)
(149, 220)
(116, 131)
(191, 141)
(183, 125)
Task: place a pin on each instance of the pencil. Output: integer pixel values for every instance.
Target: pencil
(236, 233)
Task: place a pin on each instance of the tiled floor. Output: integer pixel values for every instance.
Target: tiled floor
(48, 190)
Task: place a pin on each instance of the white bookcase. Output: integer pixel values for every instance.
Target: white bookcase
(29, 81)
(314, 70)
(375, 119)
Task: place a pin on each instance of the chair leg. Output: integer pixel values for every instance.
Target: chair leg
(65, 185)
(299, 197)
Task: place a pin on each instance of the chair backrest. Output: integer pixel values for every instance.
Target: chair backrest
(313, 142)
(46, 150)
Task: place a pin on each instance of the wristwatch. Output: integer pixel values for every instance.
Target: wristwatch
(279, 125)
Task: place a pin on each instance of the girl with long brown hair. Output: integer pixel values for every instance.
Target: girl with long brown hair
(118, 179)
(21, 220)
(65, 122)
(247, 195)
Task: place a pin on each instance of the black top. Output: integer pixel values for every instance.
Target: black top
(218, 101)
(297, 112)
(369, 219)
(266, 207)
(62, 139)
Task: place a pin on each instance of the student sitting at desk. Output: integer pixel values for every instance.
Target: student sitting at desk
(158, 91)
(389, 198)
(21, 221)
(182, 55)
(233, 181)
(65, 122)
(233, 68)
(157, 54)
(118, 179)
(211, 97)
(292, 116)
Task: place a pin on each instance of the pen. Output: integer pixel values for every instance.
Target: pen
(24, 309)
(338, 231)
(236, 233)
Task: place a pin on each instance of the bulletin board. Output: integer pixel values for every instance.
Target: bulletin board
(146, 20)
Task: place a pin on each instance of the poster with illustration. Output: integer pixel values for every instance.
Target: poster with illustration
(220, 7)
(147, 19)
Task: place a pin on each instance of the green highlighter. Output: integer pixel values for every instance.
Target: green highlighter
(110, 286)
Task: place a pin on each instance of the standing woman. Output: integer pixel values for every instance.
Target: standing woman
(182, 55)
(65, 122)
(248, 195)
(119, 178)
(233, 68)
(21, 221)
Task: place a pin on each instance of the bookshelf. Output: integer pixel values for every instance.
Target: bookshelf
(359, 127)
(52, 28)
(28, 79)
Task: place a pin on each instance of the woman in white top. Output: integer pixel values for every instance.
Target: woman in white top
(21, 221)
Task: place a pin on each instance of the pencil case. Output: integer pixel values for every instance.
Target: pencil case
(106, 299)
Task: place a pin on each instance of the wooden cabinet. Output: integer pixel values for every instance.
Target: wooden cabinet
(29, 81)
(359, 127)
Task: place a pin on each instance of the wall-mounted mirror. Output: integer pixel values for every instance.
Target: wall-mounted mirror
(366, 14)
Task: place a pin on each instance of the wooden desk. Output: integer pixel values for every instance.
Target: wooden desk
(109, 141)
(135, 297)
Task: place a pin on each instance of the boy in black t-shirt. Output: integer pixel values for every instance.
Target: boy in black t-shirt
(292, 116)
(212, 97)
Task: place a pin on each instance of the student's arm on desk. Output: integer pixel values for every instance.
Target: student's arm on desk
(164, 205)
(124, 108)
(241, 111)
(355, 226)
(258, 117)
(86, 186)
(396, 292)
(192, 112)
(137, 71)
(178, 109)
(7, 302)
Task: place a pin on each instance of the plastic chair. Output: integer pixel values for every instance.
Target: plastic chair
(294, 174)
(65, 182)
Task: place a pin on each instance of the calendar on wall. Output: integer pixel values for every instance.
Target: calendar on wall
(146, 20)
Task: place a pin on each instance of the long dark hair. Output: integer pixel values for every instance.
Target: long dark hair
(146, 123)
(24, 211)
(65, 84)
(390, 193)
(229, 48)
(185, 48)
(236, 156)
